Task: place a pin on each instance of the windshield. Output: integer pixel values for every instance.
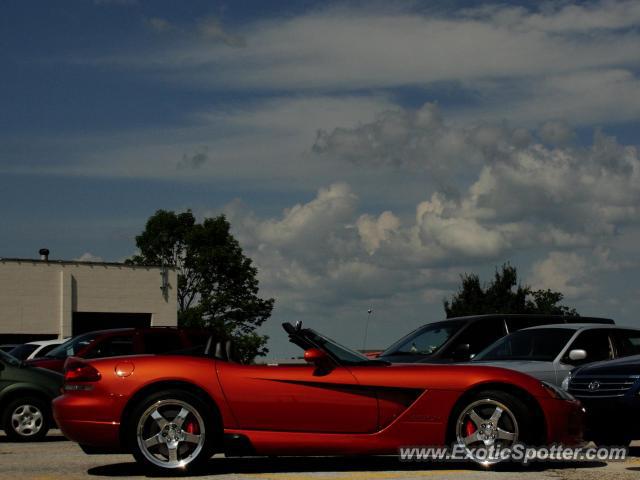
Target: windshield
(21, 352)
(9, 359)
(541, 344)
(343, 354)
(425, 340)
(72, 346)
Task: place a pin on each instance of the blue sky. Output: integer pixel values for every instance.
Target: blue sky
(367, 153)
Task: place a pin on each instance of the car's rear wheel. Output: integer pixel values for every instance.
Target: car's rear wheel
(172, 431)
(492, 420)
(26, 419)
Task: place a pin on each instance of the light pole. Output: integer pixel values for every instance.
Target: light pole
(366, 329)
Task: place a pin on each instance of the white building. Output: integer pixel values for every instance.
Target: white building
(42, 299)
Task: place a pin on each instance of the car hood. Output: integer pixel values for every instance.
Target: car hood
(525, 366)
(619, 366)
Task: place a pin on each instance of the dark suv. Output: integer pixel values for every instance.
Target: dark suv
(459, 339)
(610, 392)
(121, 341)
(25, 399)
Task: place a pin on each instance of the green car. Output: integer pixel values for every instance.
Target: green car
(25, 399)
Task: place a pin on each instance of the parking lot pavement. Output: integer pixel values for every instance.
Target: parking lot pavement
(60, 459)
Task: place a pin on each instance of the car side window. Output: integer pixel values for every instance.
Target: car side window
(480, 335)
(627, 342)
(161, 342)
(112, 347)
(596, 343)
(44, 350)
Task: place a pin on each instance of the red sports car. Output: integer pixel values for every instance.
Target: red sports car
(175, 411)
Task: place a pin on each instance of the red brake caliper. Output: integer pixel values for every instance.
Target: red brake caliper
(469, 428)
(192, 427)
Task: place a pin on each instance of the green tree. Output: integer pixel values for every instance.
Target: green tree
(217, 284)
(503, 294)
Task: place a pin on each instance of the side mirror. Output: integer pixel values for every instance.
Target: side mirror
(316, 356)
(577, 355)
(462, 352)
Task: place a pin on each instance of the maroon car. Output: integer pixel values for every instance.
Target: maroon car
(117, 342)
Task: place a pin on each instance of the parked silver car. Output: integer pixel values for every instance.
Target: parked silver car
(550, 352)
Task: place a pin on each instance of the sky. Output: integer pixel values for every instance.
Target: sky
(366, 153)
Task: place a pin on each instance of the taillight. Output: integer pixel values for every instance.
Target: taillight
(76, 370)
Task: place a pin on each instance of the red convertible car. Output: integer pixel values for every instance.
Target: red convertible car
(173, 412)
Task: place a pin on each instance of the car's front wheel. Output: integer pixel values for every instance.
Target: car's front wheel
(26, 419)
(172, 431)
(492, 420)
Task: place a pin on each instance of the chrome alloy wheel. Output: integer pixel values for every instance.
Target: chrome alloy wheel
(486, 423)
(27, 420)
(170, 433)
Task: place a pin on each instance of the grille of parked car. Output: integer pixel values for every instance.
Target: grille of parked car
(603, 386)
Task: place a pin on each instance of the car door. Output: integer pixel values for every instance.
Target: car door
(297, 398)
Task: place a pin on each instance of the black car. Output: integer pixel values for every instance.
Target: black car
(7, 347)
(459, 339)
(25, 399)
(610, 393)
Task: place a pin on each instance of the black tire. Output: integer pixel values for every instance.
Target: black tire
(608, 439)
(512, 424)
(167, 442)
(27, 419)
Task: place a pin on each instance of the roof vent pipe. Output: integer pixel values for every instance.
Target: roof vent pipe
(44, 254)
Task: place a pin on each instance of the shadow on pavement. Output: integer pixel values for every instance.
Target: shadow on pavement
(47, 439)
(246, 465)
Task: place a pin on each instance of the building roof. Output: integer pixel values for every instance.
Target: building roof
(79, 262)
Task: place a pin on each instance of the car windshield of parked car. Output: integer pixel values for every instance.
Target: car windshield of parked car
(72, 346)
(539, 344)
(9, 359)
(425, 340)
(21, 352)
(343, 354)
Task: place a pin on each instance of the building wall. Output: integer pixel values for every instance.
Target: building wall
(39, 297)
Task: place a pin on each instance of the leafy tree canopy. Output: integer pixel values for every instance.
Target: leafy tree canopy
(503, 294)
(217, 284)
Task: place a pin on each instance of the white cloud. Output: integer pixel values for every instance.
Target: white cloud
(516, 62)
(519, 196)
(582, 96)
(373, 231)
(336, 48)
(265, 143)
(556, 132)
(88, 257)
(160, 25)
(125, 3)
(573, 274)
(212, 29)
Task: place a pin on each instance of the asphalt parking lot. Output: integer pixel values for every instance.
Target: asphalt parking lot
(58, 458)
